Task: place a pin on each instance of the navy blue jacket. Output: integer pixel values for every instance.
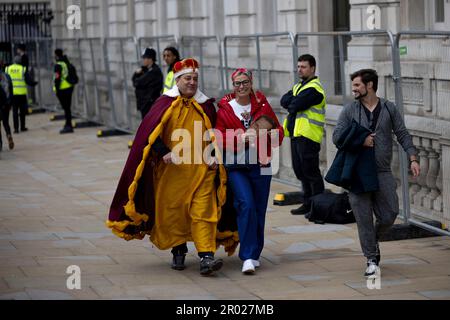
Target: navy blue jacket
(354, 167)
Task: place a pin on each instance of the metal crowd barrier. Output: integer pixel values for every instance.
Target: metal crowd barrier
(340, 55)
(429, 147)
(39, 51)
(257, 37)
(169, 40)
(193, 46)
(120, 121)
(112, 60)
(393, 52)
(336, 83)
(89, 66)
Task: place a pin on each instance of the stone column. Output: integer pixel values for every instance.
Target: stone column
(187, 17)
(389, 14)
(59, 23)
(372, 51)
(121, 18)
(293, 15)
(145, 12)
(216, 18)
(94, 21)
(412, 14)
(240, 17)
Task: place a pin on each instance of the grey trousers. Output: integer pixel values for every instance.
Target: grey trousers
(384, 204)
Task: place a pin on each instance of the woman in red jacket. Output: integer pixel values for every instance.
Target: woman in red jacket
(243, 119)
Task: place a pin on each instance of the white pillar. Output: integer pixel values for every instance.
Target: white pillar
(59, 23)
(145, 12)
(121, 18)
(187, 17)
(293, 15)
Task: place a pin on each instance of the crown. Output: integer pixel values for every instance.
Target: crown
(188, 65)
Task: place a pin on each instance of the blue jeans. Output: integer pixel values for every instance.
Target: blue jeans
(251, 193)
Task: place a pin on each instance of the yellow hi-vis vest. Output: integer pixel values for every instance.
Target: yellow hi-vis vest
(309, 123)
(168, 82)
(17, 74)
(64, 84)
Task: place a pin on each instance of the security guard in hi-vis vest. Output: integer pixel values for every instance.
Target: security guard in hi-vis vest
(63, 88)
(170, 56)
(305, 124)
(20, 79)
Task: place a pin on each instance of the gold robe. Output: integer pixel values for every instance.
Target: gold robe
(185, 194)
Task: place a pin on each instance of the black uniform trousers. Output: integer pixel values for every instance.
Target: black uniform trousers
(5, 119)
(305, 162)
(65, 99)
(20, 105)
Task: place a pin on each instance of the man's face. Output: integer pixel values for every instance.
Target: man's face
(359, 89)
(169, 57)
(146, 62)
(188, 84)
(20, 51)
(305, 71)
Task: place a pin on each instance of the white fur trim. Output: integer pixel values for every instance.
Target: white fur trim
(184, 71)
(199, 96)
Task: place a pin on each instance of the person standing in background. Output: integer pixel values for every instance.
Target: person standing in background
(171, 56)
(306, 104)
(147, 81)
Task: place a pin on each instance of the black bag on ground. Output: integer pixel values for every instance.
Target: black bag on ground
(72, 76)
(331, 207)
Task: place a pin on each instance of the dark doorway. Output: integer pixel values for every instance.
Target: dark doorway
(25, 21)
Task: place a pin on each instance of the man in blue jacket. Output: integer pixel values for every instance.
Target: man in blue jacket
(382, 118)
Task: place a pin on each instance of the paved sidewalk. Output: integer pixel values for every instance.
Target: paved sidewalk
(55, 193)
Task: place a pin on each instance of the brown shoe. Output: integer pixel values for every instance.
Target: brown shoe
(10, 142)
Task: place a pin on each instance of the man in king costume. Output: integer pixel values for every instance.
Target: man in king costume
(174, 195)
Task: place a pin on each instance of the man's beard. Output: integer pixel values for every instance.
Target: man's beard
(360, 96)
(304, 78)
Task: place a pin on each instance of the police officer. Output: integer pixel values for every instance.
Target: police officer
(147, 81)
(171, 56)
(20, 79)
(304, 124)
(63, 88)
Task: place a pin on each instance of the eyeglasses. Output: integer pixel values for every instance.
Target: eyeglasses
(237, 84)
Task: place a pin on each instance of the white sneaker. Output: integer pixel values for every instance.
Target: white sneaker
(372, 270)
(248, 267)
(256, 263)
